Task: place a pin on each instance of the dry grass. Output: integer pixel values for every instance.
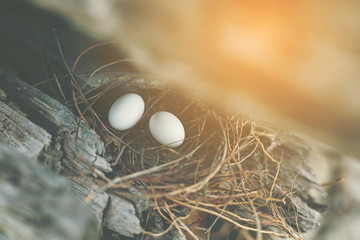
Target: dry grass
(223, 171)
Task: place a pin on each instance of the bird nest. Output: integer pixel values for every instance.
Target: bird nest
(229, 168)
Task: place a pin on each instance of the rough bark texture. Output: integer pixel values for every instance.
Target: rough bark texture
(20, 133)
(46, 113)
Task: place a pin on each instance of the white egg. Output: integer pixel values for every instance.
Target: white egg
(167, 129)
(126, 111)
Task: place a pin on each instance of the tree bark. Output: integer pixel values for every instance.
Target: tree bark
(27, 134)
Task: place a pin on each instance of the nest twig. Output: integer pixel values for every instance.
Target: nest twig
(222, 169)
(229, 167)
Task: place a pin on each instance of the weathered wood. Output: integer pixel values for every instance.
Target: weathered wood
(83, 144)
(56, 119)
(119, 217)
(38, 204)
(17, 131)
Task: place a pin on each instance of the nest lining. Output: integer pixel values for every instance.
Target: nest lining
(229, 167)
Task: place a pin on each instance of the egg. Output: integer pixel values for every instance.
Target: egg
(167, 129)
(126, 111)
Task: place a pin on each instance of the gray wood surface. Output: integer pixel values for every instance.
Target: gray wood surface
(36, 203)
(20, 133)
(22, 127)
